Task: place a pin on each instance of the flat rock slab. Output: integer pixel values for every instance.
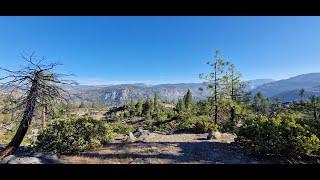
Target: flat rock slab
(12, 159)
(25, 156)
(152, 149)
(168, 149)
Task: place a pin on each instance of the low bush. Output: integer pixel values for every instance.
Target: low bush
(121, 128)
(313, 125)
(284, 135)
(228, 126)
(204, 124)
(194, 124)
(73, 135)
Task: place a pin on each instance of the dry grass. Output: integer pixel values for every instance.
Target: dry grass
(80, 160)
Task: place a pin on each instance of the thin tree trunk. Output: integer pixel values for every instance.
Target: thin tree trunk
(215, 94)
(232, 114)
(232, 111)
(15, 142)
(314, 110)
(24, 124)
(44, 117)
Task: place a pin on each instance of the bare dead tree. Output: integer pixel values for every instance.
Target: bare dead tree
(35, 85)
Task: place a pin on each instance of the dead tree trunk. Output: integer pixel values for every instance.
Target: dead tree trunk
(24, 123)
(44, 117)
(41, 87)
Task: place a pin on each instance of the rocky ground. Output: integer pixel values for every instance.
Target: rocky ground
(24, 156)
(150, 149)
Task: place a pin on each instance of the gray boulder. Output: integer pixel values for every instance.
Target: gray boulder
(47, 157)
(214, 135)
(131, 138)
(140, 132)
(209, 136)
(36, 158)
(21, 160)
(7, 159)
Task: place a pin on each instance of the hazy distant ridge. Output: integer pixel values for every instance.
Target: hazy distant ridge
(120, 94)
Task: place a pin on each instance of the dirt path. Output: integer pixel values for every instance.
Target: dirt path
(164, 149)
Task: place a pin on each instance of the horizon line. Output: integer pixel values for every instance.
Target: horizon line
(103, 82)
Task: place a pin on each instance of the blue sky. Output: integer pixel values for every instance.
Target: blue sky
(113, 50)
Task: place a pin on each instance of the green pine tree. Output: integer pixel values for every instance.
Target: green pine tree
(156, 103)
(148, 108)
(261, 103)
(188, 100)
(180, 106)
(132, 107)
(82, 105)
(214, 82)
(138, 107)
(234, 87)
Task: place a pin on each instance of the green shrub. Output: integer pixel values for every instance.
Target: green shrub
(115, 118)
(73, 135)
(204, 124)
(313, 125)
(160, 116)
(198, 124)
(282, 135)
(195, 124)
(167, 127)
(121, 128)
(6, 118)
(228, 126)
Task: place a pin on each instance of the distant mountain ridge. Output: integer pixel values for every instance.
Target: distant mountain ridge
(115, 95)
(252, 84)
(288, 89)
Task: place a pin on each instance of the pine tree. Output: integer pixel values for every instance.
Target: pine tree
(132, 107)
(301, 94)
(188, 100)
(156, 103)
(138, 107)
(94, 105)
(148, 108)
(276, 107)
(204, 107)
(82, 105)
(180, 106)
(235, 87)
(261, 103)
(313, 100)
(247, 98)
(151, 105)
(214, 82)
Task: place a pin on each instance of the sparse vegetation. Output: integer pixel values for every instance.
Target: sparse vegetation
(264, 126)
(120, 128)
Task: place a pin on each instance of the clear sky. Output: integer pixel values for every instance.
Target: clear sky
(104, 50)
